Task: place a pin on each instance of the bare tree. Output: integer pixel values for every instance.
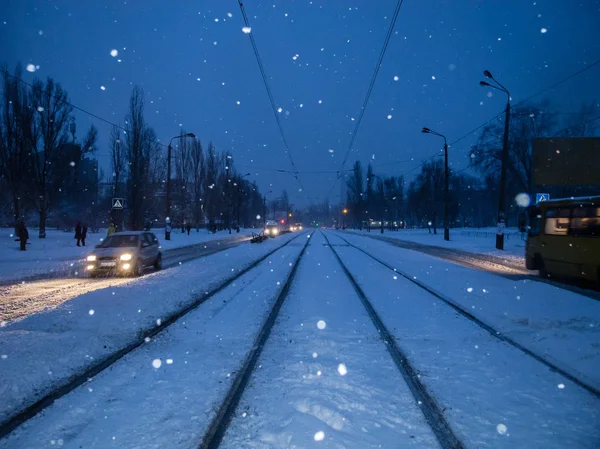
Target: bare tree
(46, 139)
(183, 169)
(140, 140)
(16, 118)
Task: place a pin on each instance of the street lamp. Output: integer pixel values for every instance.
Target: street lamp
(501, 205)
(168, 193)
(446, 176)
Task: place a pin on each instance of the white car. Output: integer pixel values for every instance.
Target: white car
(272, 229)
(126, 253)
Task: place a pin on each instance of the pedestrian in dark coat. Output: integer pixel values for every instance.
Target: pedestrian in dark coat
(78, 234)
(189, 228)
(84, 234)
(23, 235)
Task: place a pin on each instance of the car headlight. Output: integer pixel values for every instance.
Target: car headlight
(91, 258)
(267, 231)
(125, 257)
(275, 231)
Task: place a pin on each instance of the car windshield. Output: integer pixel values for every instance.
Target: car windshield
(120, 241)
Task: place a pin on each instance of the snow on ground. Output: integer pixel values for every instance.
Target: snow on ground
(558, 324)
(43, 350)
(494, 395)
(479, 241)
(326, 379)
(59, 250)
(164, 394)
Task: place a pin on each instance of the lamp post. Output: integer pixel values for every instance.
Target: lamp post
(501, 205)
(168, 193)
(345, 212)
(265, 208)
(446, 176)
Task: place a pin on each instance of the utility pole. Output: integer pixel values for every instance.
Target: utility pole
(501, 223)
(446, 188)
(168, 189)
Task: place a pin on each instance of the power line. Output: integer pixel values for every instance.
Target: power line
(372, 83)
(369, 91)
(270, 94)
(546, 89)
(74, 106)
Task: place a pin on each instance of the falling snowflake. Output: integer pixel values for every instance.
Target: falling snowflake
(561, 386)
(342, 369)
(30, 68)
(229, 14)
(102, 88)
(544, 30)
(169, 361)
(320, 101)
(91, 312)
(280, 110)
(301, 105)
(321, 324)
(40, 109)
(315, 355)
(330, 150)
(246, 30)
(470, 289)
(452, 67)
(156, 363)
(490, 94)
(319, 435)
(501, 428)
(238, 102)
(215, 43)
(523, 200)
(389, 117)
(158, 322)
(114, 52)
(396, 78)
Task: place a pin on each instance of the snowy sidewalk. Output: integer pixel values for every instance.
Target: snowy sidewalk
(42, 351)
(476, 241)
(494, 395)
(58, 251)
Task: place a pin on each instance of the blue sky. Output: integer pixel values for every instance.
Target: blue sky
(195, 64)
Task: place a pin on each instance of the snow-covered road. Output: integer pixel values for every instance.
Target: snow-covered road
(25, 298)
(359, 356)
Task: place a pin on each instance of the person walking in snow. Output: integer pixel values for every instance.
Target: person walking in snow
(188, 228)
(84, 234)
(78, 234)
(111, 229)
(23, 235)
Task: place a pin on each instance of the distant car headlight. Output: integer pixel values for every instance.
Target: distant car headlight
(275, 232)
(267, 231)
(91, 258)
(125, 257)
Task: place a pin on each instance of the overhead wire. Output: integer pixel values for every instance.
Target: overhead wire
(369, 90)
(270, 95)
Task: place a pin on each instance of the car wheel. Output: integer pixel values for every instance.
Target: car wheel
(158, 262)
(138, 269)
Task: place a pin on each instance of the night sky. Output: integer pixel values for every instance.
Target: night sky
(199, 73)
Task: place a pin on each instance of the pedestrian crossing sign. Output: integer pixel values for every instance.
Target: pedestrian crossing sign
(539, 197)
(117, 203)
